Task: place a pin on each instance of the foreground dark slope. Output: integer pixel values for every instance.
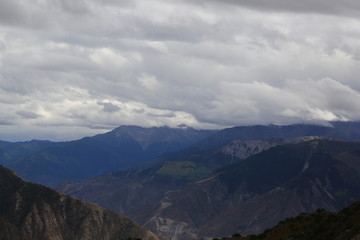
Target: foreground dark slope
(33, 212)
(321, 225)
(124, 147)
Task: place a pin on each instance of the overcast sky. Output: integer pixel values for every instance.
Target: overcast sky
(74, 68)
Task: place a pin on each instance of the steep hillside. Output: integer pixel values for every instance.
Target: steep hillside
(33, 212)
(258, 192)
(121, 148)
(320, 225)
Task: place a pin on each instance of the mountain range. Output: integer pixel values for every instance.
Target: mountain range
(52, 163)
(245, 196)
(31, 211)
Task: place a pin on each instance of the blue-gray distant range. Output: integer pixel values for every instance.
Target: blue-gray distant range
(52, 163)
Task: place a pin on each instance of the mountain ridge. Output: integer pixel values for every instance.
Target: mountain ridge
(52, 163)
(31, 211)
(338, 130)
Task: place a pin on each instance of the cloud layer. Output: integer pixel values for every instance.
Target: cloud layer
(75, 68)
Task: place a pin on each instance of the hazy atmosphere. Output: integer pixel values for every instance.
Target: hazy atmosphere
(70, 69)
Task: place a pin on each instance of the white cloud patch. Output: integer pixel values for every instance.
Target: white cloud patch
(90, 66)
(148, 81)
(108, 58)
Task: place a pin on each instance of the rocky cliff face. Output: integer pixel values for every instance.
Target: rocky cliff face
(33, 212)
(243, 149)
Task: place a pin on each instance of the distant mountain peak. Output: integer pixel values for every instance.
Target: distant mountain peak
(152, 135)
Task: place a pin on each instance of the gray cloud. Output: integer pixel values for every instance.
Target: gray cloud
(10, 12)
(74, 7)
(5, 122)
(109, 107)
(27, 114)
(89, 66)
(345, 7)
(164, 115)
